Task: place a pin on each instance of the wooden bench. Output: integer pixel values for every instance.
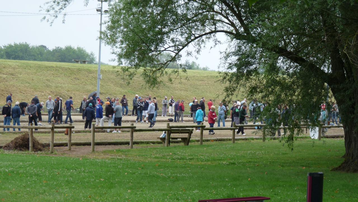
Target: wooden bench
(184, 138)
(253, 199)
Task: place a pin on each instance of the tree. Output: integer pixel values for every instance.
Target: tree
(23, 51)
(302, 48)
(2, 55)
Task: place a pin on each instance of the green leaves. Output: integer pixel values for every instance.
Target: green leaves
(251, 2)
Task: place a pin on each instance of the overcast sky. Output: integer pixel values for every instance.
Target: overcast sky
(20, 21)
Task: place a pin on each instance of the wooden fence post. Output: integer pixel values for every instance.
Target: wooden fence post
(263, 134)
(167, 137)
(319, 132)
(70, 137)
(233, 133)
(31, 143)
(93, 137)
(201, 134)
(52, 141)
(131, 138)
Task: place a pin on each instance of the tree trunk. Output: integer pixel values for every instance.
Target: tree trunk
(350, 163)
(347, 98)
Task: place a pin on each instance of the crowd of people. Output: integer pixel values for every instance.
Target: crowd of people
(146, 111)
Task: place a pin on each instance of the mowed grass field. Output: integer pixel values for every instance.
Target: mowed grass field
(25, 79)
(178, 173)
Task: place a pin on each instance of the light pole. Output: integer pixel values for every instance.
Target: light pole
(99, 76)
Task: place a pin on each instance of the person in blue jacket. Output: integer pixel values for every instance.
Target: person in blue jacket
(16, 113)
(199, 116)
(99, 113)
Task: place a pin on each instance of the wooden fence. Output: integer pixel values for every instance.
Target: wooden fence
(133, 129)
(52, 128)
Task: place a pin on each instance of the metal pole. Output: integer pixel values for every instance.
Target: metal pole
(99, 52)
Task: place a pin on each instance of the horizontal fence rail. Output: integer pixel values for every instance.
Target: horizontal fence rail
(169, 130)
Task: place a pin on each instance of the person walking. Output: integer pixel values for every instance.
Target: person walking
(140, 110)
(124, 103)
(50, 106)
(118, 117)
(109, 100)
(6, 111)
(69, 106)
(242, 116)
(89, 115)
(39, 110)
(83, 107)
(251, 108)
(99, 113)
(32, 112)
(23, 106)
(9, 97)
(236, 114)
(232, 110)
(221, 113)
(36, 100)
(210, 103)
(145, 109)
(164, 106)
(211, 119)
(151, 111)
(135, 105)
(92, 101)
(176, 113)
(171, 103)
(194, 108)
(108, 115)
(202, 105)
(199, 117)
(59, 112)
(155, 109)
(16, 113)
(181, 111)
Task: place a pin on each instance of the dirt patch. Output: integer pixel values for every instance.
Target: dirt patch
(21, 143)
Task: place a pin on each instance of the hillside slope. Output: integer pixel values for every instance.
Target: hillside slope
(25, 79)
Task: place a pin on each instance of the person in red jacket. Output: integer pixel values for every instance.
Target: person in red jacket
(210, 103)
(181, 111)
(211, 119)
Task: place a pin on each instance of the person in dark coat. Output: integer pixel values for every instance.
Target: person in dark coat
(90, 116)
(108, 115)
(202, 105)
(9, 97)
(194, 108)
(35, 100)
(23, 106)
(6, 111)
(16, 113)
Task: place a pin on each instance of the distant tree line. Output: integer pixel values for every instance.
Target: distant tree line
(23, 51)
(187, 64)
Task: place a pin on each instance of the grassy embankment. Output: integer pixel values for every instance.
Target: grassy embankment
(25, 79)
(177, 173)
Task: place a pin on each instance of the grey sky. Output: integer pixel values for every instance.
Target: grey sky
(20, 21)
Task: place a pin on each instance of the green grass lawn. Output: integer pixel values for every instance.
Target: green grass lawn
(178, 173)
